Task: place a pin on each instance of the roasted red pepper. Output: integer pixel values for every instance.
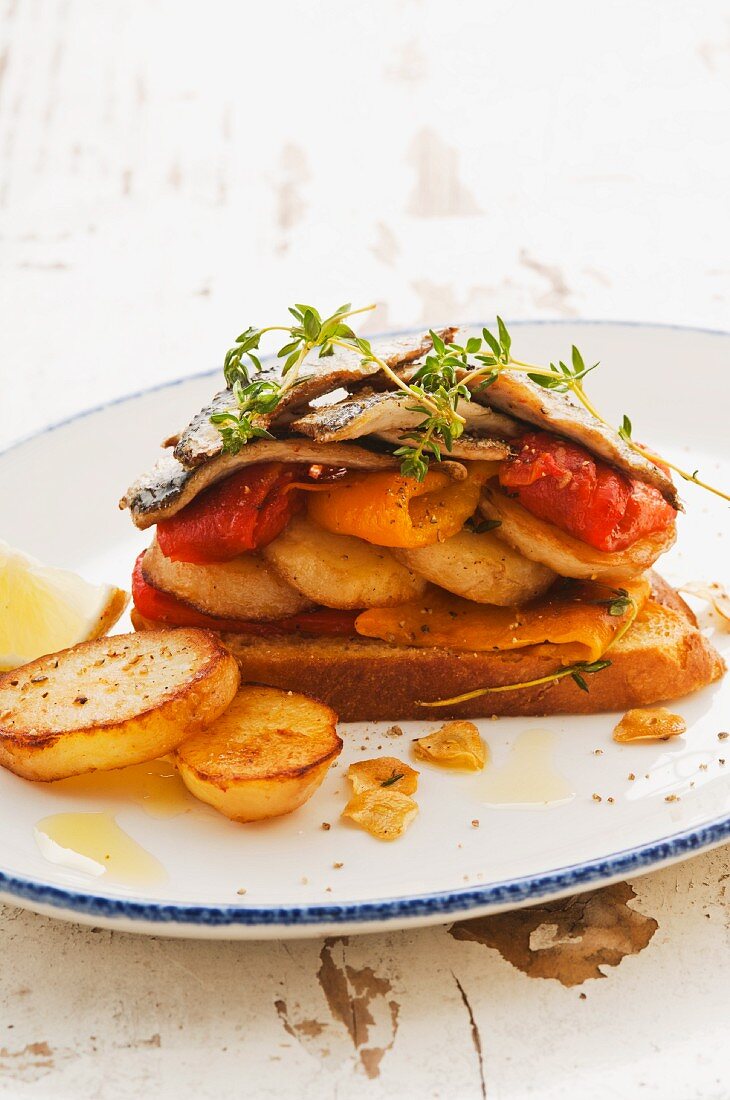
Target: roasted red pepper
(161, 607)
(565, 485)
(244, 512)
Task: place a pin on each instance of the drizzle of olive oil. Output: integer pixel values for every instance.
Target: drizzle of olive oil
(154, 786)
(94, 843)
(528, 777)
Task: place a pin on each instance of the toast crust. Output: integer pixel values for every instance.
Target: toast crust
(663, 656)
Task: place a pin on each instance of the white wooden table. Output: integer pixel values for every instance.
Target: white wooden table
(172, 172)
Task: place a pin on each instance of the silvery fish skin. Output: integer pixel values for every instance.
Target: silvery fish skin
(201, 440)
(382, 413)
(467, 448)
(514, 393)
(169, 485)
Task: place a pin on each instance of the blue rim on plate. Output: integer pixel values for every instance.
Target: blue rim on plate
(499, 894)
(577, 876)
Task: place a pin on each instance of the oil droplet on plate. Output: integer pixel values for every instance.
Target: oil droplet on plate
(528, 777)
(94, 843)
(154, 785)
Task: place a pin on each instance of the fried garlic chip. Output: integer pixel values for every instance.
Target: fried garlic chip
(658, 724)
(383, 771)
(385, 813)
(455, 745)
(715, 595)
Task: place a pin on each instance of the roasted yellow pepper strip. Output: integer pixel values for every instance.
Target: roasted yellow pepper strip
(573, 616)
(389, 509)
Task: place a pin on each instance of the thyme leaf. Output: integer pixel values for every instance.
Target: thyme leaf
(618, 604)
(625, 429)
(480, 526)
(392, 779)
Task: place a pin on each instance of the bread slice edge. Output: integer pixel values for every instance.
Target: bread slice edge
(662, 657)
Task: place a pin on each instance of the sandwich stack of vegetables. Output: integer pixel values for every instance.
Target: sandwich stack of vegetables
(423, 522)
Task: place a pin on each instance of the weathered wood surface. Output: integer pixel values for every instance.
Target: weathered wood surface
(412, 1014)
(171, 172)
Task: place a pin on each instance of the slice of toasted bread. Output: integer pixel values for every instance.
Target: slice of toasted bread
(112, 702)
(663, 656)
(264, 757)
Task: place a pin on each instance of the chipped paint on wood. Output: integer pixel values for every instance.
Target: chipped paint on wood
(360, 1000)
(439, 191)
(304, 1029)
(28, 1064)
(569, 939)
(345, 1013)
(291, 176)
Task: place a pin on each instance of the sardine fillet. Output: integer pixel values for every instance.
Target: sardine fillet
(380, 413)
(467, 448)
(169, 486)
(201, 440)
(517, 395)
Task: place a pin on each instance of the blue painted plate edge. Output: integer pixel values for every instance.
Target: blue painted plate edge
(510, 892)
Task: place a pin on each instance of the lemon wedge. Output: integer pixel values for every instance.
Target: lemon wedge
(43, 609)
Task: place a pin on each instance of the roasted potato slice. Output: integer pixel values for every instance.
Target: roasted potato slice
(340, 570)
(545, 543)
(245, 588)
(481, 568)
(112, 702)
(264, 757)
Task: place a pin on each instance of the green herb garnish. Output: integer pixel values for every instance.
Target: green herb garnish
(480, 526)
(577, 671)
(625, 429)
(449, 375)
(617, 604)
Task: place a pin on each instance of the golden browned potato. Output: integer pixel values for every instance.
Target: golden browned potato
(112, 702)
(569, 557)
(264, 757)
(245, 588)
(479, 567)
(340, 570)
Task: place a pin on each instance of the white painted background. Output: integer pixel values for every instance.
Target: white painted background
(170, 172)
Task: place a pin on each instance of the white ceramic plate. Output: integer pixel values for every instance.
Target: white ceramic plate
(58, 496)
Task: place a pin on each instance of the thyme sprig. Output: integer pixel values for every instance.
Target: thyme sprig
(438, 390)
(434, 388)
(449, 375)
(259, 398)
(625, 430)
(564, 378)
(620, 603)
